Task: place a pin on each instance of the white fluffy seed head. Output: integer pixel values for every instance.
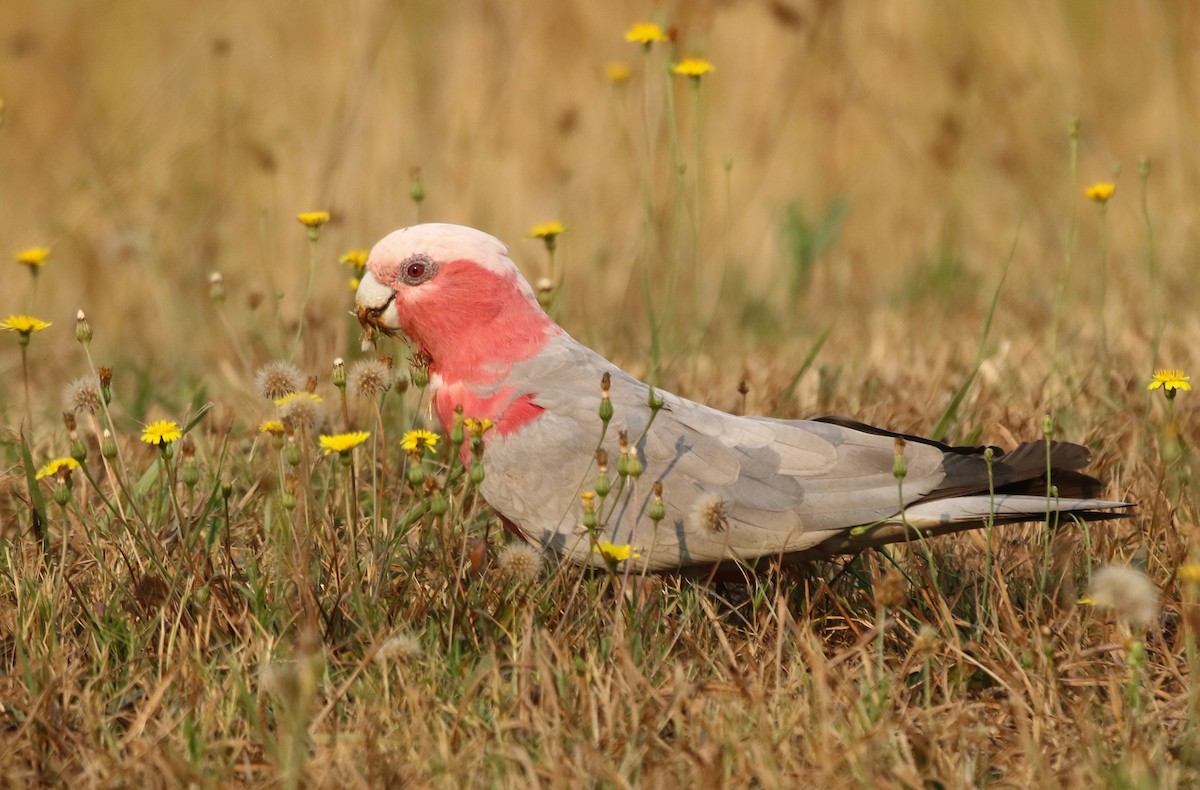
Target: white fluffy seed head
(302, 413)
(369, 378)
(1128, 592)
(82, 395)
(521, 562)
(276, 379)
(401, 647)
(709, 514)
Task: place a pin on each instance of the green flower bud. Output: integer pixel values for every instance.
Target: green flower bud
(634, 467)
(477, 473)
(190, 474)
(416, 475)
(83, 330)
(603, 484)
(420, 377)
(62, 494)
(105, 375)
(655, 401)
(79, 451)
(456, 430)
(416, 187)
(108, 446)
(216, 288)
(658, 510)
(292, 454)
(339, 373)
(438, 504)
(606, 408)
(288, 500)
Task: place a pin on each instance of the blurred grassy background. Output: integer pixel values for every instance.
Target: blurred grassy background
(870, 169)
(150, 144)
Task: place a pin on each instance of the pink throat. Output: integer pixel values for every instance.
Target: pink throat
(475, 324)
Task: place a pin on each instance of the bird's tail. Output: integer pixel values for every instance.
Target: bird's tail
(957, 514)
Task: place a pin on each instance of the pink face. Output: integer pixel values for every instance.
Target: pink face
(455, 294)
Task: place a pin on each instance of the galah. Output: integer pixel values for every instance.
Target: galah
(733, 488)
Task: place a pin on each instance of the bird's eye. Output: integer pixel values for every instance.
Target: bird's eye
(418, 269)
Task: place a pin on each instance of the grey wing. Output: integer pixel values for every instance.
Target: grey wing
(734, 487)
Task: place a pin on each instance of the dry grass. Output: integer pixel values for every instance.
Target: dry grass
(161, 636)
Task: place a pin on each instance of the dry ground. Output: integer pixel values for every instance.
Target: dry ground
(871, 174)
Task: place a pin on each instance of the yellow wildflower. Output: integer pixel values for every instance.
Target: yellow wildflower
(616, 72)
(478, 427)
(295, 396)
(1100, 191)
(547, 230)
(614, 553)
(353, 282)
(25, 324)
(161, 433)
(355, 258)
(645, 33)
(313, 219)
(1190, 572)
(692, 67)
(419, 439)
(271, 426)
(52, 469)
(34, 257)
(343, 442)
(1170, 379)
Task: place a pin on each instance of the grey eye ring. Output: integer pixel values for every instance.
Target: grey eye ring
(417, 269)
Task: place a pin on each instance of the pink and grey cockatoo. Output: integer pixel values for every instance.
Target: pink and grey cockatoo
(734, 488)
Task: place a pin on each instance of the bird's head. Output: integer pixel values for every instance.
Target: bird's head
(454, 292)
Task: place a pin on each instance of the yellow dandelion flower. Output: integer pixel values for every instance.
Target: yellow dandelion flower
(617, 72)
(313, 219)
(34, 257)
(312, 397)
(25, 324)
(355, 258)
(614, 553)
(1170, 379)
(271, 426)
(1100, 191)
(1190, 572)
(52, 469)
(547, 230)
(645, 33)
(343, 442)
(162, 433)
(692, 67)
(353, 282)
(478, 427)
(419, 440)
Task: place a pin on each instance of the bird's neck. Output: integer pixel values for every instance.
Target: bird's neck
(474, 329)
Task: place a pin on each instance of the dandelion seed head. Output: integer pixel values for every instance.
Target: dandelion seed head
(708, 514)
(82, 395)
(521, 562)
(401, 647)
(276, 379)
(1128, 592)
(369, 378)
(300, 411)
